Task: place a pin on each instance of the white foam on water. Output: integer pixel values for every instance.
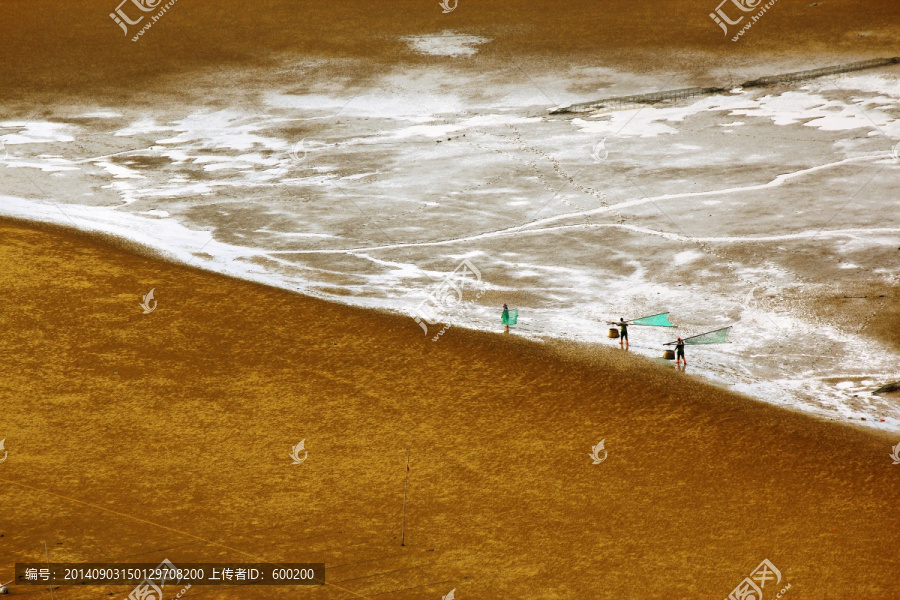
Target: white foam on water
(688, 256)
(447, 43)
(101, 114)
(36, 132)
(787, 108)
(352, 221)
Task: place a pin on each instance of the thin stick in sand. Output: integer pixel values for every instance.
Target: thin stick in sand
(405, 486)
(47, 554)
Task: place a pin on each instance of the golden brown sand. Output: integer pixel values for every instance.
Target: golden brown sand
(136, 437)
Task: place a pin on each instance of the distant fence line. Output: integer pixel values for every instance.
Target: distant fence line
(699, 91)
(813, 73)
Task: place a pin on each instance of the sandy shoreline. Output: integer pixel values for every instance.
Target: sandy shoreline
(292, 178)
(185, 417)
(188, 140)
(827, 309)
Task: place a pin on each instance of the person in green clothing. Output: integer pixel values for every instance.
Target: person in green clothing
(504, 318)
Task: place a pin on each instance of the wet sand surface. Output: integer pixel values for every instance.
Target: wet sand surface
(83, 52)
(138, 437)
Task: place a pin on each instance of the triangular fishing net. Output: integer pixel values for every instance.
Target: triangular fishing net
(660, 320)
(719, 336)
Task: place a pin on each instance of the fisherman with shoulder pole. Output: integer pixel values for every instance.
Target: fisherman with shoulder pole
(679, 352)
(622, 324)
(716, 336)
(657, 320)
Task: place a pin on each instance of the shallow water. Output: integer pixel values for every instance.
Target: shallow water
(739, 209)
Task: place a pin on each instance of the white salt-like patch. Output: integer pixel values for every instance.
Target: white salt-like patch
(294, 233)
(101, 114)
(814, 110)
(43, 166)
(688, 256)
(432, 131)
(789, 108)
(865, 82)
(494, 119)
(38, 132)
(119, 171)
(418, 106)
(446, 43)
(143, 126)
(360, 175)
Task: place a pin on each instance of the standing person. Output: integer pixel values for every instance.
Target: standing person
(679, 352)
(623, 331)
(504, 318)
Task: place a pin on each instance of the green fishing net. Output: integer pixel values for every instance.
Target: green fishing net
(719, 336)
(660, 320)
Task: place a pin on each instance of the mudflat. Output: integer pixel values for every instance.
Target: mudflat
(74, 49)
